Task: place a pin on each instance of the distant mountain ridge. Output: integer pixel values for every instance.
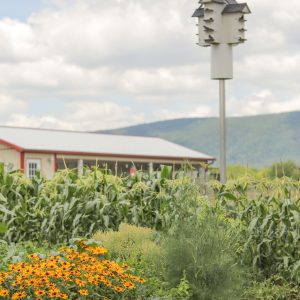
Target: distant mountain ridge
(255, 140)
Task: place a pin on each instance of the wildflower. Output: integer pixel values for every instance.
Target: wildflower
(118, 289)
(129, 285)
(80, 283)
(41, 277)
(39, 292)
(4, 293)
(54, 293)
(19, 295)
(83, 292)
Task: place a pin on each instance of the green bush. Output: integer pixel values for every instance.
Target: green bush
(204, 250)
(132, 243)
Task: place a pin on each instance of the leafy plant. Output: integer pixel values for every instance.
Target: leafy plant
(203, 249)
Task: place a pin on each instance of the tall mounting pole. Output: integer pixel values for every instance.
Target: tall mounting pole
(221, 25)
(223, 173)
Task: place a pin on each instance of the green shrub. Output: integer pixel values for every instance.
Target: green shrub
(131, 243)
(203, 249)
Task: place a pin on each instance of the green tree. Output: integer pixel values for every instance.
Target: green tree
(288, 168)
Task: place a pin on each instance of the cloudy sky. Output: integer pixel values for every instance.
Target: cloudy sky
(98, 64)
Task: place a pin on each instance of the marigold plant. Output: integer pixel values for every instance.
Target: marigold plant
(81, 271)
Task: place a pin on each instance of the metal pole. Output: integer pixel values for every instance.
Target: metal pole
(223, 172)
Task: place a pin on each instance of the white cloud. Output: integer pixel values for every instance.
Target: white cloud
(263, 102)
(82, 116)
(19, 42)
(23, 120)
(9, 105)
(199, 112)
(94, 115)
(164, 80)
(136, 60)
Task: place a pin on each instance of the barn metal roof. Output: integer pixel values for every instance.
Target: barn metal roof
(56, 141)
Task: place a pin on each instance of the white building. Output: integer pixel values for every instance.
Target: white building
(43, 150)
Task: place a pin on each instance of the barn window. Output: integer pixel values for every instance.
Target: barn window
(33, 166)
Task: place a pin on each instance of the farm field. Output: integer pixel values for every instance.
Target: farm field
(152, 237)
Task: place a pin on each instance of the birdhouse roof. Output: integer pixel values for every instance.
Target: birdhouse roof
(231, 1)
(231, 7)
(238, 7)
(221, 1)
(199, 12)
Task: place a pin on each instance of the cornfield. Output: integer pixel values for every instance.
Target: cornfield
(269, 215)
(71, 206)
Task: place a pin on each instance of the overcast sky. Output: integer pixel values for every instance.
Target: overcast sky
(98, 64)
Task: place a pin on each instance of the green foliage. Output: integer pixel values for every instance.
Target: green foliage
(10, 253)
(288, 168)
(269, 214)
(203, 249)
(237, 171)
(70, 206)
(3, 228)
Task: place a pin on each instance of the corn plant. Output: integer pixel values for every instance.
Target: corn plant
(269, 213)
(71, 206)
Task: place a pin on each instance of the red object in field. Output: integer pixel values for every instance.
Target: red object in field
(132, 171)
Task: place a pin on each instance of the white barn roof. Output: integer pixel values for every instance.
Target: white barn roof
(56, 141)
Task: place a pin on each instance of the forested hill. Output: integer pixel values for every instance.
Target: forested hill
(256, 140)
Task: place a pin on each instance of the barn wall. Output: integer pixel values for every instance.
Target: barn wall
(47, 163)
(10, 156)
